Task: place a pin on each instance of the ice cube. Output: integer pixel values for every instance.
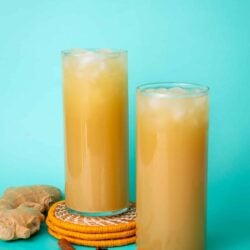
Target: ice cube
(105, 51)
(88, 57)
(163, 92)
(179, 112)
(166, 92)
(149, 91)
(153, 103)
(177, 91)
(77, 51)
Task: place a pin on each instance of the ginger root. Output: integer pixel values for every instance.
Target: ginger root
(21, 210)
(65, 245)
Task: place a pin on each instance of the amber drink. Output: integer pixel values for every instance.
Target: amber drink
(96, 131)
(172, 128)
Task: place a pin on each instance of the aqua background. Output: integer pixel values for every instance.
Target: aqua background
(179, 40)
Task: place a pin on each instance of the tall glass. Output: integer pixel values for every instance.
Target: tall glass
(172, 129)
(96, 131)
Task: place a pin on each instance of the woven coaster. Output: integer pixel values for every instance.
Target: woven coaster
(95, 243)
(90, 236)
(106, 231)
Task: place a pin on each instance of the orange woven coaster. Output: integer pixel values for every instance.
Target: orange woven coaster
(104, 231)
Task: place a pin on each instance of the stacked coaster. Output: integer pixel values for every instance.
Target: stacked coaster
(107, 231)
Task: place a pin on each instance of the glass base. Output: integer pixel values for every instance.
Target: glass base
(97, 214)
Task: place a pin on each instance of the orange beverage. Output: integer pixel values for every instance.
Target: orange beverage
(96, 131)
(172, 127)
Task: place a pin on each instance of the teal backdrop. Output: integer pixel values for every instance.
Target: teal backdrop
(175, 40)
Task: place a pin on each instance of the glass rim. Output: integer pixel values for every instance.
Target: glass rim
(193, 87)
(82, 51)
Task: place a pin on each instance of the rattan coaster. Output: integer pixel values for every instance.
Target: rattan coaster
(104, 231)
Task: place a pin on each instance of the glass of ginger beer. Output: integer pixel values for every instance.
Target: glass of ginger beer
(96, 131)
(172, 129)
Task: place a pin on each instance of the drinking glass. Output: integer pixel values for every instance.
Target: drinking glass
(172, 131)
(96, 131)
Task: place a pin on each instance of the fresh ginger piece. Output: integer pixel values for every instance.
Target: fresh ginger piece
(65, 245)
(21, 210)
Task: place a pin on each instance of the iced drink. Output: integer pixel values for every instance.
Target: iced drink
(96, 131)
(172, 125)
